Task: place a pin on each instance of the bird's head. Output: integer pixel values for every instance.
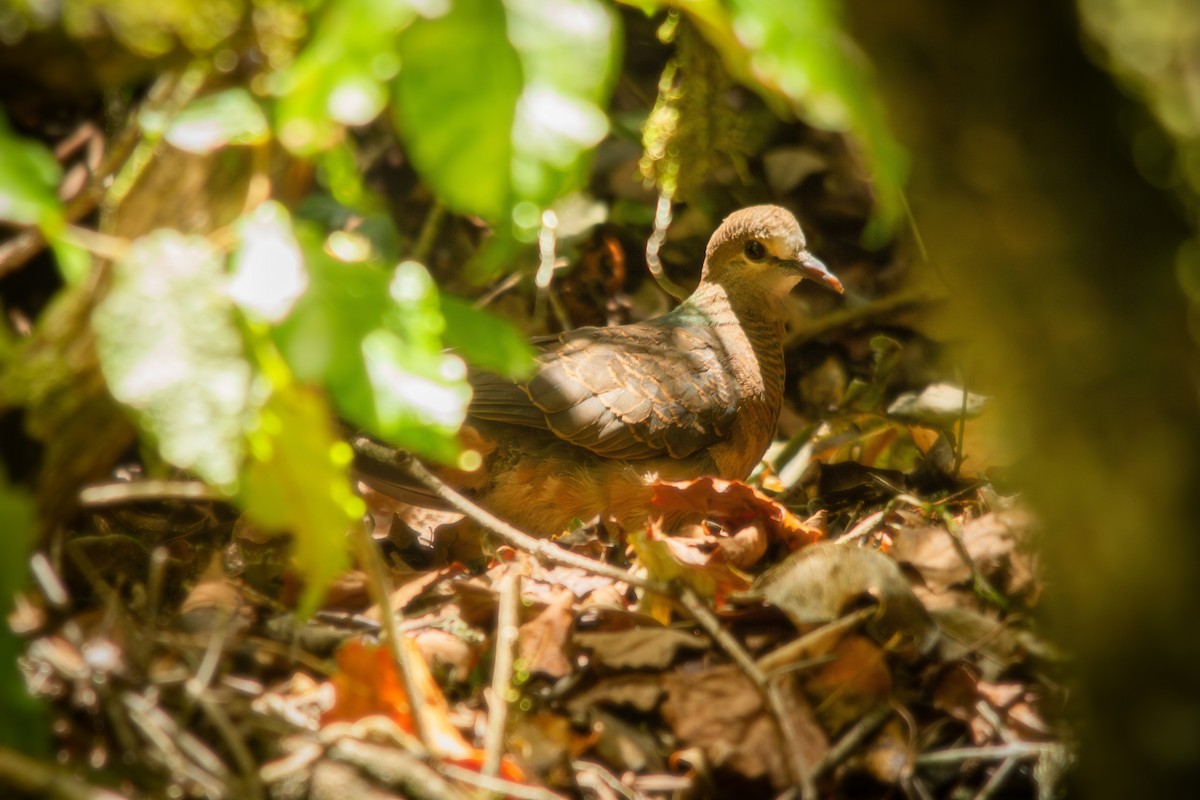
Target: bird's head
(763, 247)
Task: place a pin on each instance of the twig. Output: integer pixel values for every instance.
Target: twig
(853, 738)
(379, 587)
(119, 492)
(497, 785)
(850, 317)
(502, 671)
(429, 230)
(539, 548)
(44, 779)
(801, 774)
(662, 221)
(1000, 752)
(252, 786)
(997, 778)
(864, 527)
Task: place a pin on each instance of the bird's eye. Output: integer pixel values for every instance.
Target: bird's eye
(755, 250)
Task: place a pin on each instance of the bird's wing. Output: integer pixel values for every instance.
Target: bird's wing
(636, 391)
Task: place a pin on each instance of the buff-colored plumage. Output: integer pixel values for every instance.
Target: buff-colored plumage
(694, 392)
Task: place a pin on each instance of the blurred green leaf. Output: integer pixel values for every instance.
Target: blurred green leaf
(535, 112)
(462, 147)
(23, 725)
(795, 54)
(219, 119)
(374, 338)
(268, 267)
(339, 77)
(569, 53)
(29, 178)
(485, 340)
(297, 479)
(170, 349)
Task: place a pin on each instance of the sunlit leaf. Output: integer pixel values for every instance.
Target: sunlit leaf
(268, 268)
(340, 76)
(297, 479)
(170, 349)
(374, 338)
(215, 120)
(456, 118)
(486, 340)
(568, 52)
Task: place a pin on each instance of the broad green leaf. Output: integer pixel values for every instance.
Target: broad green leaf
(455, 102)
(568, 50)
(486, 340)
(297, 479)
(373, 337)
(340, 76)
(219, 119)
(268, 267)
(170, 349)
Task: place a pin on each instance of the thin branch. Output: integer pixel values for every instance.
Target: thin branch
(1000, 752)
(852, 740)
(121, 492)
(379, 587)
(46, 779)
(540, 548)
(860, 315)
(502, 672)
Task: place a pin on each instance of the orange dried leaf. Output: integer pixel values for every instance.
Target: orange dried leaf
(733, 502)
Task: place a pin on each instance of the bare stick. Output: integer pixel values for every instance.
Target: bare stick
(1000, 752)
(502, 671)
(379, 588)
(853, 738)
(120, 492)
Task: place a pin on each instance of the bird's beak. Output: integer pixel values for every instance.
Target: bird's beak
(811, 267)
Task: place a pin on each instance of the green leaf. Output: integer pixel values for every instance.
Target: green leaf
(535, 111)
(340, 76)
(569, 54)
(297, 479)
(29, 178)
(170, 349)
(486, 340)
(456, 119)
(219, 119)
(374, 338)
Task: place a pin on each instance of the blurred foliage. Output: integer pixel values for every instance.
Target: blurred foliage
(1151, 46)
(234, 298)
(22, 725)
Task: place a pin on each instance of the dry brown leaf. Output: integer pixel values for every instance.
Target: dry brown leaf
(733, 504)
(856, 681)
(639, 648)
(821, 583)
(639, 691)
(542, 641)
(721, 712)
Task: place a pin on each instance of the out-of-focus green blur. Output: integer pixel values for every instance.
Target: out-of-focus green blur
(1062, 215)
